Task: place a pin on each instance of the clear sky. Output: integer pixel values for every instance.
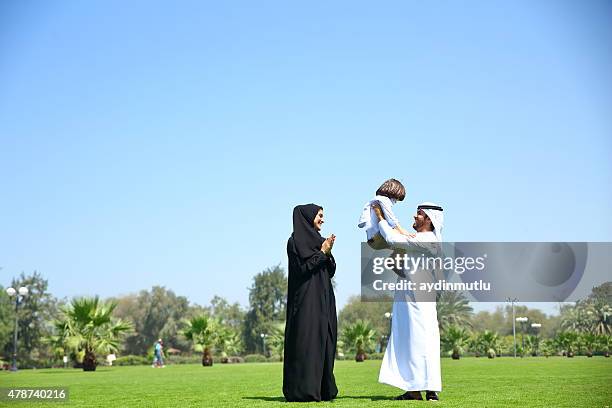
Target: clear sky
(165, 143)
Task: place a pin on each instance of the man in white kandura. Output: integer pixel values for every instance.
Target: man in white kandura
(412, 358)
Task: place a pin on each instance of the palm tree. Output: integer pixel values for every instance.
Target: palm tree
(589, 341)
(475, 345)
(57, 340)
(567, 341)
(359, 336)
(600, 314)
(575, 318)
(228, 342)
(548, 347)
(593, 316)
(86, 326)
(202, 332)
(454, 340)
(488, 342)
(605, 343)
(532, 343)
(277, 339)
(453, 309)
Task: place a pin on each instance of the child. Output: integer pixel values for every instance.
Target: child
(387, 194)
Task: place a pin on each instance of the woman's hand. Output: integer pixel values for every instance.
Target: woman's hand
(328, 244)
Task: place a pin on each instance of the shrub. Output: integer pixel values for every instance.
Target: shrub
(187, 359)
(236, 360)
(376, 356)
(254, 358)
(131, 360)
(274, 359)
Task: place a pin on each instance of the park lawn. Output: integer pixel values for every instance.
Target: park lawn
(469, 382)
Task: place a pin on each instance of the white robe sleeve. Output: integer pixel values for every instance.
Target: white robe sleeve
(401, 241)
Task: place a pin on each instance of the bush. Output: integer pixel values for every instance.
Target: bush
(254, 358)
(274, 359)
(187, 359)
(376, 356)
(131, 360)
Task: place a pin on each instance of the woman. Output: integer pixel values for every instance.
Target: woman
(311, 329)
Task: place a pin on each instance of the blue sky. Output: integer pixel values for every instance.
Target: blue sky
(167, 143)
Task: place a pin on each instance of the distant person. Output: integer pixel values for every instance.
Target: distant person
(158, 350)
(312, 326)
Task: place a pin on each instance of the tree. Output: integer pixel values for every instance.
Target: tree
(231, 315)
(360, 338)
(589, 341)
(600, 316)
(267, 299)
(87, 326)
(374, 312)
(496, 321)
(567, 342)
(532, 344)
(453, 309)
(158, 313)
(227, 341)
(454, 340)
(488, 343)
(604, 344)
(548, 348)
(590, 315)
(7, 320)
(202, 332)
(277, 339)
(36, 313)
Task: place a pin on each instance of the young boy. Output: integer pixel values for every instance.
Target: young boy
(390, 192)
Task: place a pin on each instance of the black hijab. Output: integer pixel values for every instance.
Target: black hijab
(307, 239)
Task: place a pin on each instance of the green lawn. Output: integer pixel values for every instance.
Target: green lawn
(470, 382)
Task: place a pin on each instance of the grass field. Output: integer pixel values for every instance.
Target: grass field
(469, 382)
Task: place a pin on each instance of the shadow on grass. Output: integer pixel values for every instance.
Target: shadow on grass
(366, 397)
(269, 399)
(282, 399)
(64, 371)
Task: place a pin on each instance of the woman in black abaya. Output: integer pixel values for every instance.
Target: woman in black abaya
(311, 329)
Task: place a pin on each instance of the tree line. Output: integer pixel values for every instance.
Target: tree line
(86, 329)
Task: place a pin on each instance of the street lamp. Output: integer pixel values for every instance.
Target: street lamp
(512, 301)
(263, 342)
(523, 322)
(536, 326)
(20, 295)
(387, 336)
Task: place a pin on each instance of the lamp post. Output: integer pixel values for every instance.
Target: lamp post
(389, 316)
(512, 301)
(388, 335)
(263, 342)
(536, 326)
(20, 295)
(523, 322)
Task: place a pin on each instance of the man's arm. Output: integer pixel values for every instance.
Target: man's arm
(397, 240)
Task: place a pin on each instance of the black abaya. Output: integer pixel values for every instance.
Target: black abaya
(311, 329)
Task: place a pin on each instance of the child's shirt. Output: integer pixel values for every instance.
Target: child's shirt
(368, 219)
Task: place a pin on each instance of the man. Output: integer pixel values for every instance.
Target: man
(412, 358)
(158, 360)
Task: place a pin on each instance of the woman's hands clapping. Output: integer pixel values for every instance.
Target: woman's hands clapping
(328, 244)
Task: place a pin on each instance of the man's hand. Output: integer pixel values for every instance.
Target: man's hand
(378, 211)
